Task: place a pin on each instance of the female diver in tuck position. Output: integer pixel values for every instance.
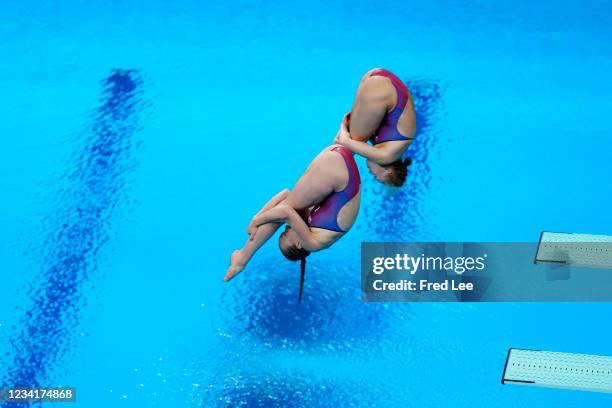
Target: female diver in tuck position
(383, 114)
(320, 209)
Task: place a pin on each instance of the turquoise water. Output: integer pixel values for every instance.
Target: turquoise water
(126, 190)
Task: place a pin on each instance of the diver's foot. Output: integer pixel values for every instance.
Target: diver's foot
(236, 265)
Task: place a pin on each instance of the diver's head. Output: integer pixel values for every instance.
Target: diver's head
(393, 174)
(290, 245)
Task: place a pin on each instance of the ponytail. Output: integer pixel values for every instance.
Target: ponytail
(302, 273)
(295, 253)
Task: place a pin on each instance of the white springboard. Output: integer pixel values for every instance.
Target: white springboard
(582, 372)
(594, 251)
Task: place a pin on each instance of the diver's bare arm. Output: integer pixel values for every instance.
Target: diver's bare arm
(297, 223)
(275, 200)
(284, 213)
(276, 214)
(279, 197)
(381, 154)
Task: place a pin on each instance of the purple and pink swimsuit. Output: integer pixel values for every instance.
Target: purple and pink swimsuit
(387, 130)
(325, 215)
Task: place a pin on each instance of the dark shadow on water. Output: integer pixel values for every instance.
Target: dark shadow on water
(286, 391)
(76, 230)
(265, 305)
(268, 393)
(403, 214)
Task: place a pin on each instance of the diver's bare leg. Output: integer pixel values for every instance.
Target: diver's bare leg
(241, 257)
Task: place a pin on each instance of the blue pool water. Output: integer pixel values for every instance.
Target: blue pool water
(140, 137)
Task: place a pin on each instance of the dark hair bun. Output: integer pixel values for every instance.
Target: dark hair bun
(397, 172)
